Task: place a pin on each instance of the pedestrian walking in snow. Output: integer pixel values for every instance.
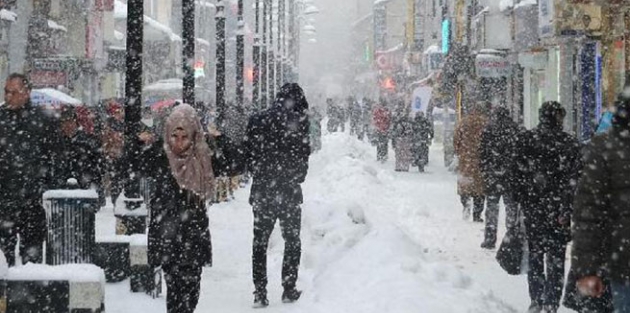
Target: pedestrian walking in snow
(26, 149)
(548, 160)
(497, 151)
(179, 238)
(402, 138)
(113, 145)
(422, 137)
(226, 162)
(354, 112)
(315, 130)
(365, 120)
(334, 118)
(77, 155)
(466, 142)
(278, 150)
(381, 117)
(601, 230)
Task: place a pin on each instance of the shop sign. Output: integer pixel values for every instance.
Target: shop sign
(546, 14)
(491, 66)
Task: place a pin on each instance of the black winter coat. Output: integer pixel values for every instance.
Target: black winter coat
(277, 149)
(228, 159)
(178, 228)
(27, 139)
(78, 157)
(497, 153)
(602, 208)
(422, 130)
(546, 170)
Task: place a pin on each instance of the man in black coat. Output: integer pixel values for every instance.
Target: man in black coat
(601, 245)
(278, 148)
(27, 138)
(77, 155)
(497, 154)
(547, 166)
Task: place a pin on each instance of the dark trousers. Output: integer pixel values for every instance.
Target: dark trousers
(265, 216)
(545, 287)
(478, 204)
(492, 214)
(182, 288)
(29, 222)
(381, 146)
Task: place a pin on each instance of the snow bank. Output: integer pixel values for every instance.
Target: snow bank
(8, 15)
(69, 272)
(358, 257)
(505, 5)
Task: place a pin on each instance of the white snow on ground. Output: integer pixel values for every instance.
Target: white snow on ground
(373, 241)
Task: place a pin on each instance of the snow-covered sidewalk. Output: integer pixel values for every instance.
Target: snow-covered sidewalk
(373, 241)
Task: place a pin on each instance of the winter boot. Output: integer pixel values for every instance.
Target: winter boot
(291, 295)
(260, 299)
(488, 244)
(535, 308)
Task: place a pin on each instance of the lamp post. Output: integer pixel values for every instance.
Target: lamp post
(256, 57)
(220, 73)
(240, 55)
(272, 58)
(133, 95)
(263, 56)
(188, 53)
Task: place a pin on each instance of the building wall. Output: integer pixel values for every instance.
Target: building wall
(396, 19)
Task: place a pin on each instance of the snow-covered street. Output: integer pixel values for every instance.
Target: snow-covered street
(374, 240)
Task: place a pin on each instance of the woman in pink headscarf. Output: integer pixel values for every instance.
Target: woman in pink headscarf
(179, 238)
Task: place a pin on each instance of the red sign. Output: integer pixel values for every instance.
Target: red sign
(104, 5)
(43, 79)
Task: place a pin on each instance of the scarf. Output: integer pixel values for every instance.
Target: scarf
(193, 168)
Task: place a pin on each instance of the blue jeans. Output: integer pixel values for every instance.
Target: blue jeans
(621, 297)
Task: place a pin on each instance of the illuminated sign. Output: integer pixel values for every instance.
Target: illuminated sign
(446, 36)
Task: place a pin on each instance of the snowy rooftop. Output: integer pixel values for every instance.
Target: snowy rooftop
(505, 5)
(524, 3)
(70, 194)
(8, 15)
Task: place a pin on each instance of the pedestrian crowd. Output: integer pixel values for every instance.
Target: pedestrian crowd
(192, 163)
(384, 121)
(555, 190)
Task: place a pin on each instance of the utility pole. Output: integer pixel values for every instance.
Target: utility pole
(256, 56)
(272, 60)
(240, 55)
(188, 53)
(220, 74)
(133, 93)
(263, 56)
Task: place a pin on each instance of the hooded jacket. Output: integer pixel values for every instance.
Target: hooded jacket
(277, 148)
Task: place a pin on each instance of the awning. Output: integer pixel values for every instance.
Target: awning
(153, 29)
(53, 97)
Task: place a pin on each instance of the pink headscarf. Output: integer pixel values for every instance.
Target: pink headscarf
(193, 169)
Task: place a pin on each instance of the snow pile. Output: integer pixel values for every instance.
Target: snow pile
(358, 258)
(70, 194)
(8, 15)
(4, 266)
(69, 272)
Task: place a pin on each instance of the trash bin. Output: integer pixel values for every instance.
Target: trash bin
(70, 215)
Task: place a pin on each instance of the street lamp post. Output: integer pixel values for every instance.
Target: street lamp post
(240, 55)
(188, 53)
(272, 60)
(220, 73)
(133, 94)
(279, 64)
(256, 57)
(263, 56)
